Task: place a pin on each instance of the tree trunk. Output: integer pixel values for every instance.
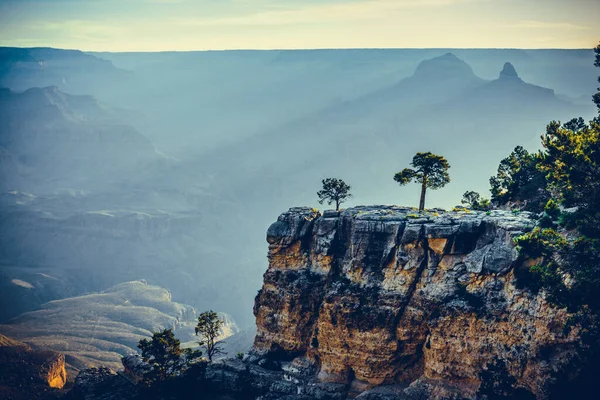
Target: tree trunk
(423, 190)
(337, 205)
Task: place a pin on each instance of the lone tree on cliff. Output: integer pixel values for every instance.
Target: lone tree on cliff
(430, 170)
(334, 190)
(208, 328)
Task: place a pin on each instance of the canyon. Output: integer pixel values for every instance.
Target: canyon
(117, 177)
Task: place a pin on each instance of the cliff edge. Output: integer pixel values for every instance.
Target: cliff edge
(427, 302)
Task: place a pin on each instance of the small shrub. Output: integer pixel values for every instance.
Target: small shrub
(461, 209)
(552, 210)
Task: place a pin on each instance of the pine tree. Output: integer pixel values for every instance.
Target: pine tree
(430, 170)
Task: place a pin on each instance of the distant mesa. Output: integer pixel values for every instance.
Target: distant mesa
(509, 72)
(444, 66)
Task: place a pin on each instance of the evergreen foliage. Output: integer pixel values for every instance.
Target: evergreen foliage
(519, 182)
(571, 164)
(209, 328)
(475, 201)
(164, 355)
(430, 170)
(334, 191)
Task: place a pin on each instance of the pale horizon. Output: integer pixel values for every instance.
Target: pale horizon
(203, 25)
(450, 49)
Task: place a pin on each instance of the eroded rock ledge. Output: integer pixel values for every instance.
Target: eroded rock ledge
(428, 302)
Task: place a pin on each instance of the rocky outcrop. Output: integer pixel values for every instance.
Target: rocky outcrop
(27, 373)
(102, 383)
(428, 302)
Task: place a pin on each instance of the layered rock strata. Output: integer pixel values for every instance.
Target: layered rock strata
(385, 295)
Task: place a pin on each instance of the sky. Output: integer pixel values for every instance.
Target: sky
(159, 25)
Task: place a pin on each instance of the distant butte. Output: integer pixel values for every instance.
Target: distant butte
(508, 71)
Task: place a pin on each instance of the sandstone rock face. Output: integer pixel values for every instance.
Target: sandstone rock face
(27, 373)
(387, 296)
(55, 372)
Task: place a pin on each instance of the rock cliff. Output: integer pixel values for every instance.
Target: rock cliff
(428, 302)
